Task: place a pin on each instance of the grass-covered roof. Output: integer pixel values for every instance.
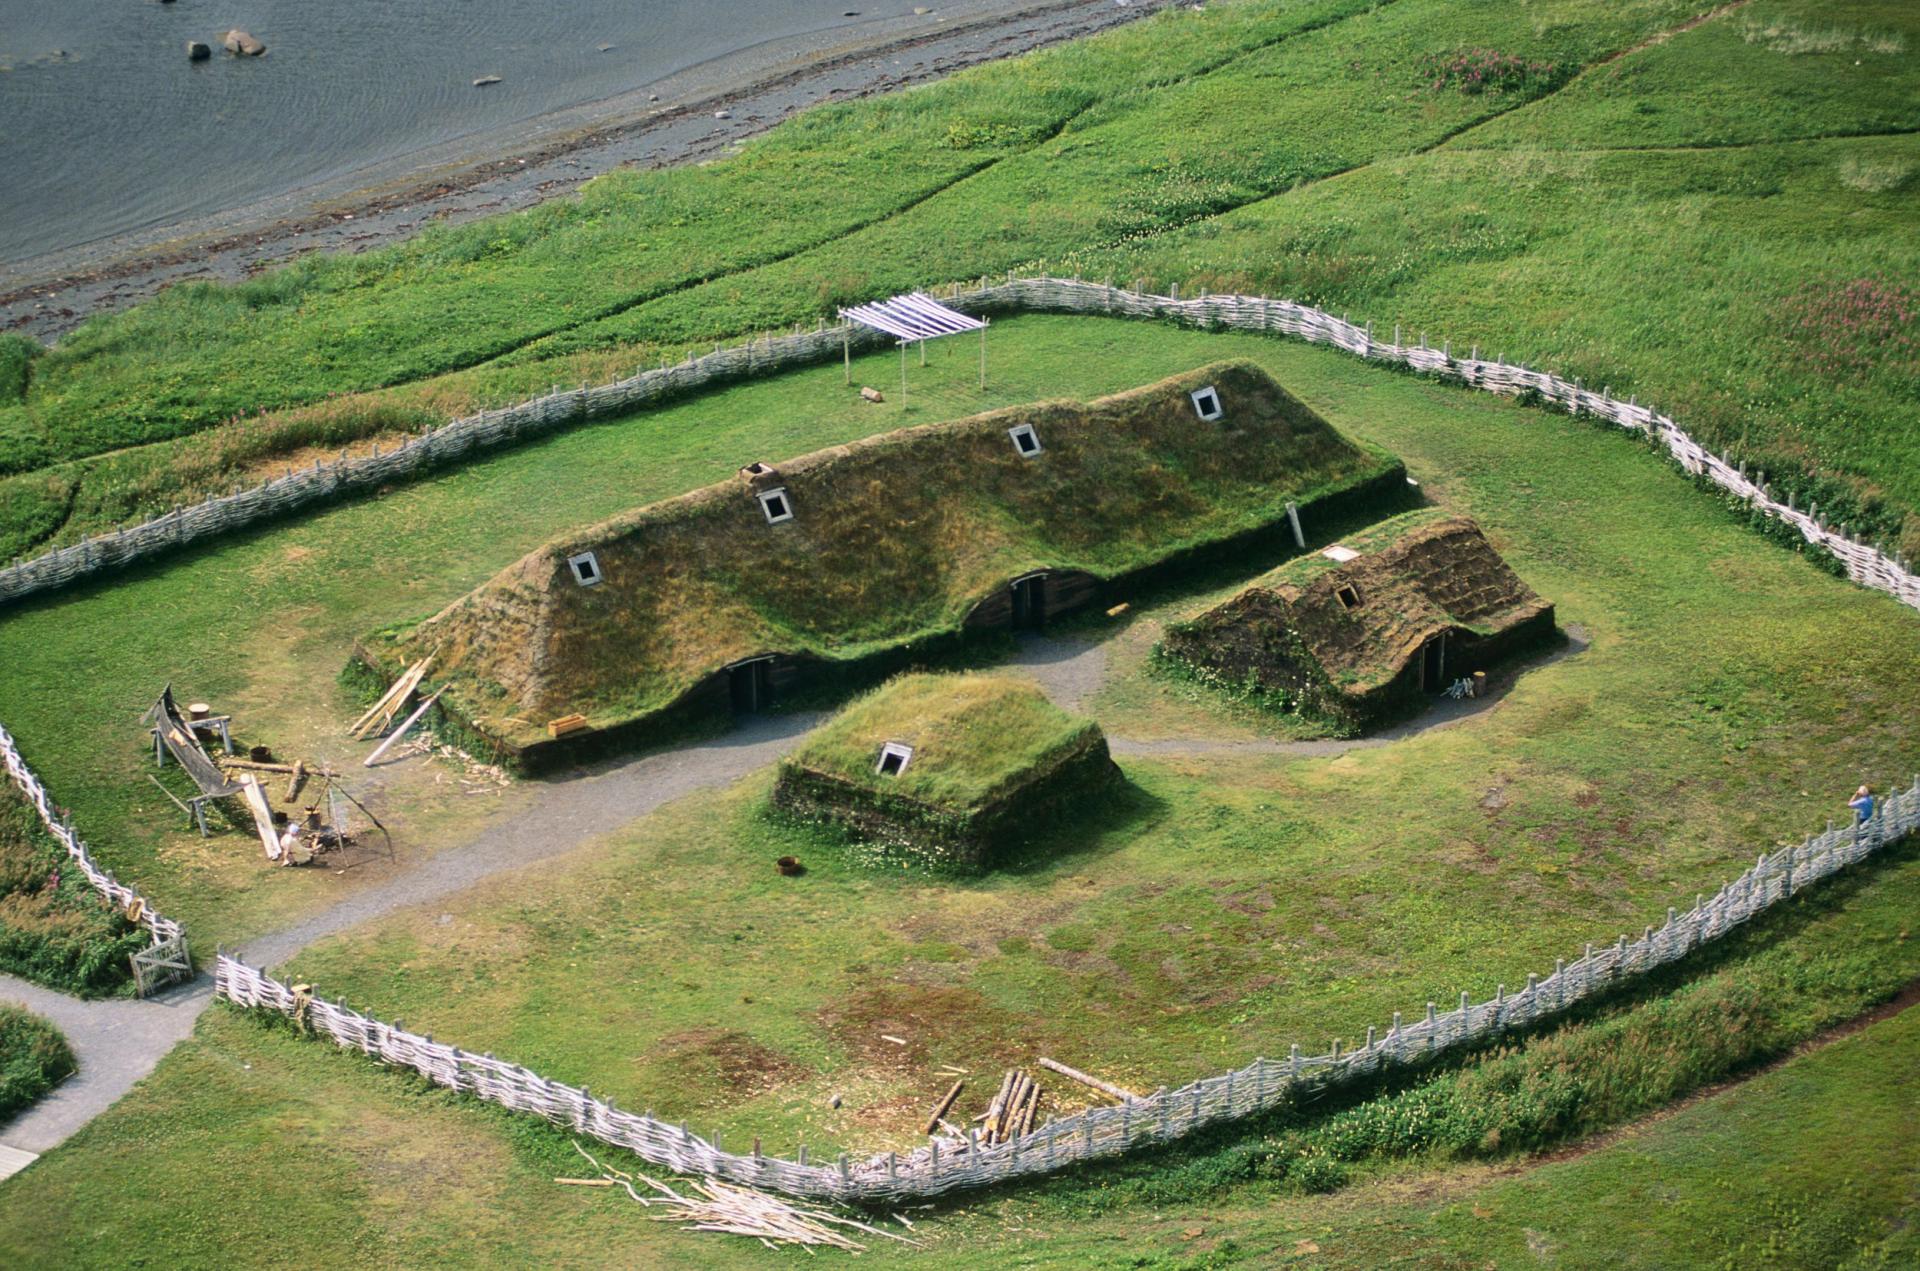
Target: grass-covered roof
(975, 738)
(1411, 577)
(894, 538)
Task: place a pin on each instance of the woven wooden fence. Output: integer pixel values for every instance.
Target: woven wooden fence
(951, 1164)
(461, 438)
(117, 893)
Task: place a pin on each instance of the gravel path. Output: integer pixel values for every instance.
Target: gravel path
(1072, 671)
(120, 1040)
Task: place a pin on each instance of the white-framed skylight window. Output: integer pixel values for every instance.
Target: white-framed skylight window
(1206, 402)
(776, 505)
(586, 569)
(894, 758)
(1025, 440)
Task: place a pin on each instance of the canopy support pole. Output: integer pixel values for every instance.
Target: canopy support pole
(903, 375)
(846, 353)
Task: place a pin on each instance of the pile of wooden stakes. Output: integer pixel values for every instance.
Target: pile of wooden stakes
(735, 1210)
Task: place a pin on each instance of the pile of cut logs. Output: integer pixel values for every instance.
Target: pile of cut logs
(1015, 1105)
(1011, 1113)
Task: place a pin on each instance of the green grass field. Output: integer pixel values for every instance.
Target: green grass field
(1808, 1165)
(1226, 905)
(1714, 221)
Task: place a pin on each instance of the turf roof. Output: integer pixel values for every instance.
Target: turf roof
(1413, 576)
(894, 538)
(975, 738)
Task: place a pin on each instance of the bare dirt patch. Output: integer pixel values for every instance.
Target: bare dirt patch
(723, 1065)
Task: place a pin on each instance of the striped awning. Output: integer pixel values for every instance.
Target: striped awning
(912, 318)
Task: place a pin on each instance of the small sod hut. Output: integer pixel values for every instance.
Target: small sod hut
(1359, 632)
(869, 554)
(945, 769)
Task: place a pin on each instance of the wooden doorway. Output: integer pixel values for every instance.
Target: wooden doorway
(1030, 602)
(1433, 664)
(750, 684)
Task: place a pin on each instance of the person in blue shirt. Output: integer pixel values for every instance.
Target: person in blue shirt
(1862, 805)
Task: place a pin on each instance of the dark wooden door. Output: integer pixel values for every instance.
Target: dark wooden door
(751, 686)
(1030, 603)
(1433, 664)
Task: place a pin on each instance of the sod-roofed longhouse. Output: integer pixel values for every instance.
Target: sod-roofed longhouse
(946, 769)
(871, 550)
(1358, 632)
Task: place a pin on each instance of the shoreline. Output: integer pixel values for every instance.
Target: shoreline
(665, 123)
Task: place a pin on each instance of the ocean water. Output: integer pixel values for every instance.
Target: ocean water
(107, 128)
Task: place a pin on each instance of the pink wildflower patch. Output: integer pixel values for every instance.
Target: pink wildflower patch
(1848, 329)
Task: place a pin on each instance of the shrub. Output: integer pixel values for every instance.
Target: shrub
(1474, 71)
(54, 928)
(16, 360)
(34, 1058)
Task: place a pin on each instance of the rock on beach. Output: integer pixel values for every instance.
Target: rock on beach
(242, 43)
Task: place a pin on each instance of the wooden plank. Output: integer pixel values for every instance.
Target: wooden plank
(256, 800)
(396, 697)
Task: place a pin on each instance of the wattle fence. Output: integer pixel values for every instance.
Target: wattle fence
(952, 1164)
(117, 893)
(457, 439)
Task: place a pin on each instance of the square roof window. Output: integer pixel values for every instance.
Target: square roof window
(586, 569)
(776, 505)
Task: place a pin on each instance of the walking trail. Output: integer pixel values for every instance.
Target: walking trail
(119, 1041)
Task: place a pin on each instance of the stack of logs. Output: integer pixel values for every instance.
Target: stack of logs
(1016, 1104)
(1011, 1113)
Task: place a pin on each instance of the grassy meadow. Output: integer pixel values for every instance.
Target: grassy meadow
(353, 1165)
(1710, 215)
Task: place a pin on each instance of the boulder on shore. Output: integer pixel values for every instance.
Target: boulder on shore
(197, 51)
(242, 43)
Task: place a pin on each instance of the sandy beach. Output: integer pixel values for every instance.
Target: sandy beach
(693, 115)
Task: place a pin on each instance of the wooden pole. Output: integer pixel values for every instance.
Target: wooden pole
(940, 1109)
(1104, 1087)
(401, 731)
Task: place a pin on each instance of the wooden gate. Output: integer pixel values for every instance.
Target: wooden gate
(160, 964)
